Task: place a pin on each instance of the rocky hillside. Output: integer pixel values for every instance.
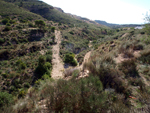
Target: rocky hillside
(56, 62)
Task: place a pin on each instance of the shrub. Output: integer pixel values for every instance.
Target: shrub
(71, 32)
(43, 67)
(138, 47)
(5, 21)
(147, 29)
(4, 75)
(69, 58)
(49, 52)
(1, 71)
(1, 40)
(145, 57)
(23, 20)
(21, 94)
(128, 54)
(22, 65)
(11, 21)
(47, 66)
(53, 39)
(40, 23)
(142, 32)
(85, 95)
(8, 24)
(31, 25)
(71, 72)
(49, 58)
(19, 27)
(112, 78)
(5, 99)
(45, 76)
(18, 62)
(42, 60)
(53, 29)
(129, 68)
(7, 28)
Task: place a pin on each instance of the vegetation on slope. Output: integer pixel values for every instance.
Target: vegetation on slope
(23, 40)
(14, 11)
(118, 79)
(48, 12)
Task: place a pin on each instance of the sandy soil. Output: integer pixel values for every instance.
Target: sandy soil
(57, 71)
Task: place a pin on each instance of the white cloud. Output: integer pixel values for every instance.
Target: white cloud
(113, 11)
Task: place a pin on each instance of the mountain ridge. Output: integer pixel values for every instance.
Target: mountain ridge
(116, 25)
(99, 22)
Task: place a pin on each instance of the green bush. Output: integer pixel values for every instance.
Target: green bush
(19, 27)
(42, 60)
(47, 66)
(69, 58)
(53, 29)
(1, 71)
(45, 76)
(4, 75)
(85, 96)
(8, 24)
(7, 28)
(53, 39)
(26, 85)
(21, 94)
(11, 21)
(22, 65)
(49, 58)
(71, 32)
(40, 23)
(49, 52)
(31, 25)
(128, 67)
(1, 40)
(23, 20)
(147, 29)
(5, 99)
(18, 62)
(43, 67)
(5, 21)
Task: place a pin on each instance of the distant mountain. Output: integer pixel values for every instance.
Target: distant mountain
(59, 9)
(52, 13)
(78, 17)
(83, 19)
(116, 25)
(46, 11)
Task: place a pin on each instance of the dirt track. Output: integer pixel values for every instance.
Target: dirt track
(57, 71)
(86, 58)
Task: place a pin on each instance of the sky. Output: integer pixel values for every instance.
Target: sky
(111, 11)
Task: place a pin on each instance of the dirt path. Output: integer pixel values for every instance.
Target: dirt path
(86, 58)
(57, 71)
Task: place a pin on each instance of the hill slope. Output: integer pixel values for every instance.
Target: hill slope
(10, 9)
(114, 73)
(46, 11)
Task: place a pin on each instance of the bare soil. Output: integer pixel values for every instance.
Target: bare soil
(57, 71)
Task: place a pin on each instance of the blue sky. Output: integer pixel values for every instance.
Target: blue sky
(112, 11)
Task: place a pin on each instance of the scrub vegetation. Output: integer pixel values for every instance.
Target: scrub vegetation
(115, 78)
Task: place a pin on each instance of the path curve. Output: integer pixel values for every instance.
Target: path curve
(86, 58)
(57, 71)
